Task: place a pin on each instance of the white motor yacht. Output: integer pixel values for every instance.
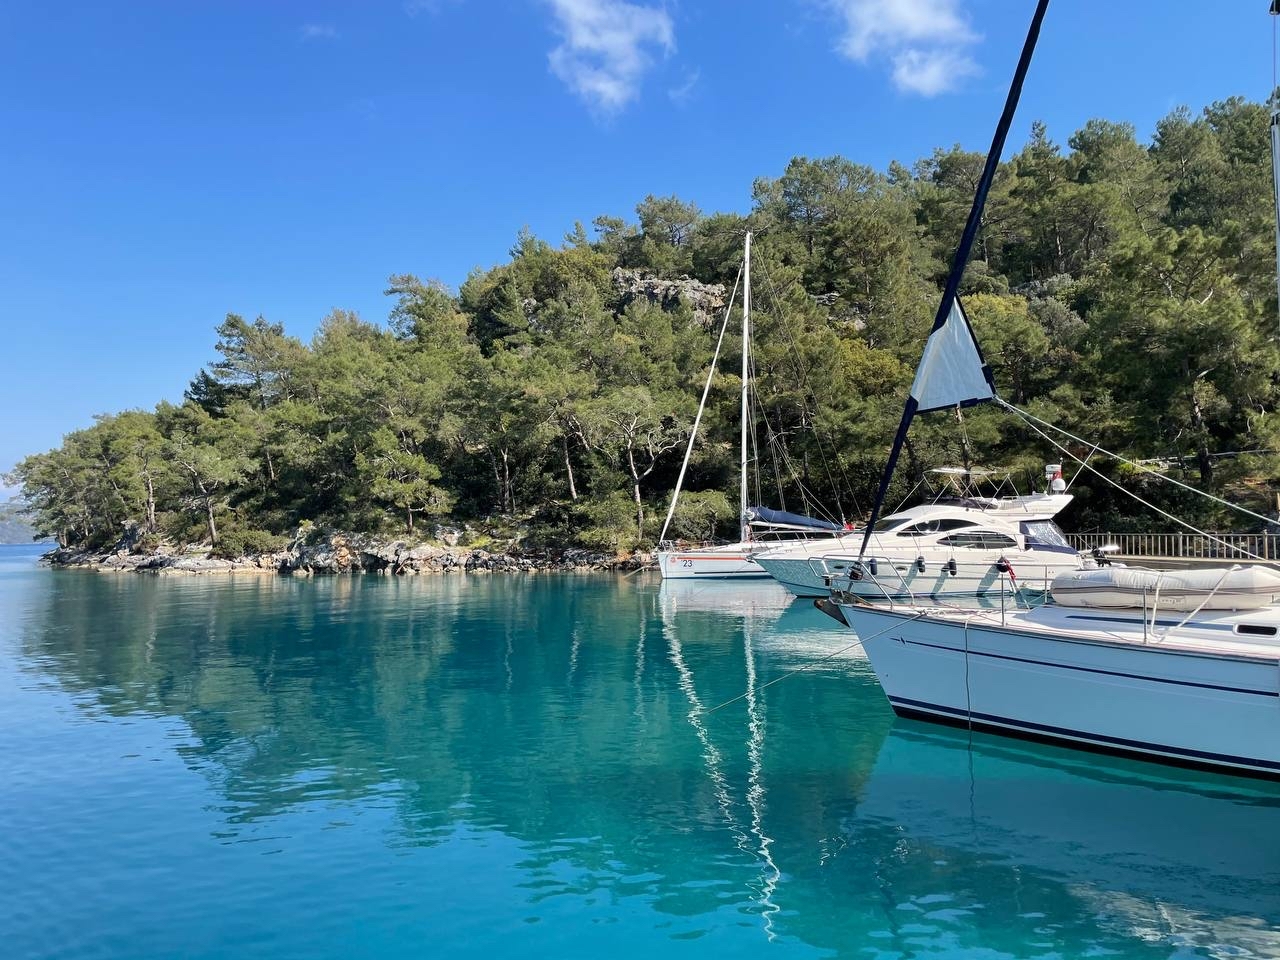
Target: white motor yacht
(965, 547)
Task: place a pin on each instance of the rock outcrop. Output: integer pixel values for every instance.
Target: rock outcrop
(340, 553)
(706, 300)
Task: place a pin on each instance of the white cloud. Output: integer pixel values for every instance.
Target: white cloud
(682, 92)
(606, 47)
(926, 41)
(930, 72)
(318, 31)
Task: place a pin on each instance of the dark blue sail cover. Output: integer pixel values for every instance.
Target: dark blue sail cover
(782, 518)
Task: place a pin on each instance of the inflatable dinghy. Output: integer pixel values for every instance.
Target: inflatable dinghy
(1217, 588)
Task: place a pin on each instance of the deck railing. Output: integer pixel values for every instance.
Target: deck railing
(1224, 546)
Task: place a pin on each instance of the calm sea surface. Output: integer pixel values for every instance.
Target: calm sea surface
(504, 767)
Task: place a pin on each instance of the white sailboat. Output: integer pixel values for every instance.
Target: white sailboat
(759, 528)
(1169, 666)
(1201, 689)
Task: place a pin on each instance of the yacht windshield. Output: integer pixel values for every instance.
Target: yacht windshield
(1047, 532)
(889, 523)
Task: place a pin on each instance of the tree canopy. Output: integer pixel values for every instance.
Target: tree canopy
(1122, 289)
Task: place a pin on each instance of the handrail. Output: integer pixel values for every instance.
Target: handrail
(1217, 546)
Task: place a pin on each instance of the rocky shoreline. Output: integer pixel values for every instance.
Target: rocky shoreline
(348, 553)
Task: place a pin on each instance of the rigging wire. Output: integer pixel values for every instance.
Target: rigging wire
(1274, 102)
(807, 395)
(1033, 420)
(776, 439)
(810, 497)
(757, 409)
(693, 433)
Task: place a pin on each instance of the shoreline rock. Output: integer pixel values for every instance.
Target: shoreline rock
(346, 554)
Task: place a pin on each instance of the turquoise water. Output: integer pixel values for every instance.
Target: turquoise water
(523, 767)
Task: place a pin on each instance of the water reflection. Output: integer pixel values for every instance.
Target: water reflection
(560, 731)
(1179, 858)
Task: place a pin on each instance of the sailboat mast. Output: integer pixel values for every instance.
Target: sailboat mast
(967, 238)
(1275, 144)
(745, 531)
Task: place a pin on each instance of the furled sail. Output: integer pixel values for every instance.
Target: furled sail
(952, 372)
(781, 518)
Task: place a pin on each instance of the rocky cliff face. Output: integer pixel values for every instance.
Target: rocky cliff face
(350, 553)
(707, 300)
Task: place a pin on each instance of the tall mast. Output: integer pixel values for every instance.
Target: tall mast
(745, 528)
(949, 293)
(1275, 141)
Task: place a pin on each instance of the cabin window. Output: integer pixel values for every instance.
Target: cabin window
(1255, 629)
(937, 525)
(980, 540)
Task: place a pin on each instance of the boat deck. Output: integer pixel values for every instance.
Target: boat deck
(1253, 634)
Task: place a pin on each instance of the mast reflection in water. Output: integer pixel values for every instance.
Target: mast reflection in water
(527, 767)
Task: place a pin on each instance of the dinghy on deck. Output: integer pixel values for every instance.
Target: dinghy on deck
(1211, 588)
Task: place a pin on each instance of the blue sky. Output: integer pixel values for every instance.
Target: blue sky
(165, 163)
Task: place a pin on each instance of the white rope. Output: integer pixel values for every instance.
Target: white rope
(1033, 420)
(693, 434)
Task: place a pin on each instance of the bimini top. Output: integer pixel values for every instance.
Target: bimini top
(781, 518)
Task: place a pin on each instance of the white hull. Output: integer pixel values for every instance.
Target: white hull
(945, 537)
(1205, 695)
(710, 563)
(900, 578)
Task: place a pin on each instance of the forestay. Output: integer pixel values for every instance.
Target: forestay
(951, 371)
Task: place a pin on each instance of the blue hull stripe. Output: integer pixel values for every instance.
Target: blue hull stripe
(1105, 673)
(1198, 624)
(1098, 739)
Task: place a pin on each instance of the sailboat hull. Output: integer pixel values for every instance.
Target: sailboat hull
(714, 563)
(1109, 691)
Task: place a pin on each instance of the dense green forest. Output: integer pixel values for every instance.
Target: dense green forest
(1122, 289)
